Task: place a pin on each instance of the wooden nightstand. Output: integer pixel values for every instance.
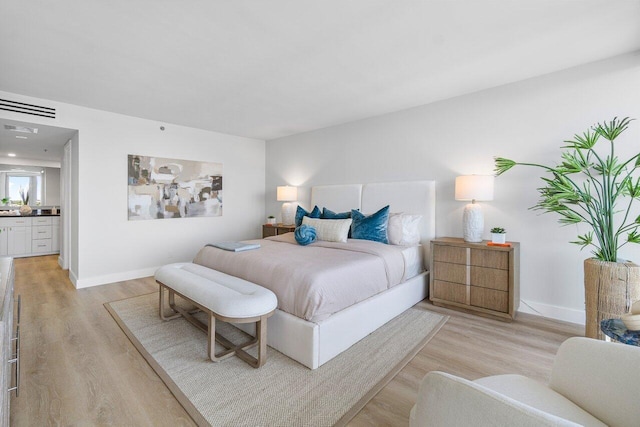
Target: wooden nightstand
(274, 230)
(475, 277)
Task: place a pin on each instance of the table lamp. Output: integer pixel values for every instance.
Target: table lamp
(288, 194)
(473, 188)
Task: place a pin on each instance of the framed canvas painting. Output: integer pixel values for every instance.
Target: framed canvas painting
(161, 188)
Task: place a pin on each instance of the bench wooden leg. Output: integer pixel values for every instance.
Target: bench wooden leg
(230, 348)
(175, 310)
(174, 314)
(239, 350)
(261, 334)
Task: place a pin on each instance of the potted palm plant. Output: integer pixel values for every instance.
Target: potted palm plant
(591, 186)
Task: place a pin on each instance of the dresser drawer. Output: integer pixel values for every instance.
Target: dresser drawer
(450, 272)
(16, 222)
(41, 246)
(42, 220)
(490, 299)
(451, 254)
(490, 258)
(475, 277)
(490, 278)
(41, 232)
(449, 292)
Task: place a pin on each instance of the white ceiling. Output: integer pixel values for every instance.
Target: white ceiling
(44, 148)
(267, 69)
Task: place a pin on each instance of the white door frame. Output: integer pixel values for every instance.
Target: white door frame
(65, 217)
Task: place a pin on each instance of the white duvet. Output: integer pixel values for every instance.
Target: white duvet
(313, 282)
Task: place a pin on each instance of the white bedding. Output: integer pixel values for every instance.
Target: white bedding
(313, 282)
(413, 260)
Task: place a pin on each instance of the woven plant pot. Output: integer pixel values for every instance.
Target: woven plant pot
(610, 289)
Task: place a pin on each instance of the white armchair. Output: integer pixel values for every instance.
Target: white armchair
(593, 383)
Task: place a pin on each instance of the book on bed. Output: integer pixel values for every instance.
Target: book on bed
(235, 246)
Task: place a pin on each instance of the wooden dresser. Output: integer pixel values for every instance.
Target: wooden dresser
(276, 230)
(475, 277)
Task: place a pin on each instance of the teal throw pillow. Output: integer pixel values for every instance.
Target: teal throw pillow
(301, 212)
(372, 227)
(305, 235)
(329, 214)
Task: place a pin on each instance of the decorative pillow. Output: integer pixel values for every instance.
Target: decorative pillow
(372, 227)
(330, 230)
(301, 212)
(305, 235)
(329, 214)
(403, 229)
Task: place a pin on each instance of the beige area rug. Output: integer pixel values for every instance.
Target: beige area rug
(282, 392)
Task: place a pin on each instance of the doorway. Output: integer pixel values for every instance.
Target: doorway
(35, 172)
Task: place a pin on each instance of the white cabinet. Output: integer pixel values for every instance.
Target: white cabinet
(26, 236)
(41, 235)
(19, 237)
(4, 234)
(41, 220)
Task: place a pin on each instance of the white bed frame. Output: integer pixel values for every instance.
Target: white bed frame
(313, 344)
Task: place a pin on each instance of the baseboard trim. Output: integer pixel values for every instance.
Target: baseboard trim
(115, 277)
(73, 278)
(553, 311)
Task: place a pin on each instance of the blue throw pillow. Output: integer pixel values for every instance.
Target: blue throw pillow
(372, 227)
(301, 212)
(329, 214)
(305, 235)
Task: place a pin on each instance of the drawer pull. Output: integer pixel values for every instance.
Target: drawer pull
(16, 359)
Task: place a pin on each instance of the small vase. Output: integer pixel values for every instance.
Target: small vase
(499, 237)
(25, 210)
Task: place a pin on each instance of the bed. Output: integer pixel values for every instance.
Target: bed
(318, 328)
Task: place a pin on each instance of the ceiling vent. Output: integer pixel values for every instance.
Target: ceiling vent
(31, 109)
(23, 129)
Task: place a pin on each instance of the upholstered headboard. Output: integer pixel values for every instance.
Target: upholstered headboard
(338, 198)
(414, 197)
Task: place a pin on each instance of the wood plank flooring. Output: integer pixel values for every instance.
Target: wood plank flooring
(78, 367)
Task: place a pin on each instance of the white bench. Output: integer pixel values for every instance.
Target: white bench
(223, 297)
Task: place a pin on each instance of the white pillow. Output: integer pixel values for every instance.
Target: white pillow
(330, 230)
(404, 229)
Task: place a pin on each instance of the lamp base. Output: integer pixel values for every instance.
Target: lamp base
(472, 223)
(289, 213)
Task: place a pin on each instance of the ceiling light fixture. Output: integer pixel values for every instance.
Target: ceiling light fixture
(21, 137)
(23, 129)
(11, 154)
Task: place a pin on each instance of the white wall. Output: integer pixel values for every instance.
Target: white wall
(106, 247)
(51, 186)
(526, 121)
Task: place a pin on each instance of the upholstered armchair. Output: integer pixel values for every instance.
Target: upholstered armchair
(593, 383)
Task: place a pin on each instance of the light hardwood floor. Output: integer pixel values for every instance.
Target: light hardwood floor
(78, 367)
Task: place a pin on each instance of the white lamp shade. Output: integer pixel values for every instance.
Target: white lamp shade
(474, 187)
(287, 193)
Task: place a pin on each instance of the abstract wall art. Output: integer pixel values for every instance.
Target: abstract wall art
(161, 188)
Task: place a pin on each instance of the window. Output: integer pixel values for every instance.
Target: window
(31, 186)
